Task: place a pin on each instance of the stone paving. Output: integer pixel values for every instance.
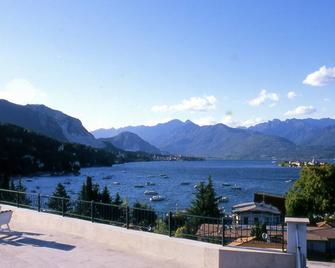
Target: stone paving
(28, 247)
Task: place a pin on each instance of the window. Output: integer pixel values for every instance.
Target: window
(246, 220)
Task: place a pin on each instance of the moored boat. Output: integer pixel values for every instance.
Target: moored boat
(157, 198)
(236, 187)
(150, 192)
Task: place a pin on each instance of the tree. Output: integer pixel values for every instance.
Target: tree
(205, 203)
(203, 208)
(117, 200)
(105, 196)
(60, 200)
(5, 181)
(143, 215)
(258, 230)
(89, 191)
(313, 194)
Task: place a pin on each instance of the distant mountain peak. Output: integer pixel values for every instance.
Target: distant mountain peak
(46, 121)
(129, 141)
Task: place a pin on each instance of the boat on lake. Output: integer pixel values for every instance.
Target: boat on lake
(150, 192)
(157, 198)
(185, 183)
(139, 186)
(149, 183)
(115, 183)
(226, 184)
(236, 187)
(108, 177)
(223, 199)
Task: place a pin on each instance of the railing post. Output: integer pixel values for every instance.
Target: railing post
(127, 217)
(92, 211)
(18, 198)
(297, 239)
(223, 231)
(170, 222)
(39, 202)
(283, 237)
(63, 207)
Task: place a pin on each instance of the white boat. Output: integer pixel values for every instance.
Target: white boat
(150, 192)
(157, 198)
(115, 183)
(223, 199)
(149, 183)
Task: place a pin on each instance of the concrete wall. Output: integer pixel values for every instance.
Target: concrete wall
(187, 253)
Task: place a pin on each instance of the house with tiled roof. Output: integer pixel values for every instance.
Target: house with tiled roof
(256, 212)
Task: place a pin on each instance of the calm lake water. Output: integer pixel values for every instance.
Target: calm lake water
(251, 176)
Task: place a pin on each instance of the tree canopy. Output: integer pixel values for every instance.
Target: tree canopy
(313, 194)
(205, 203)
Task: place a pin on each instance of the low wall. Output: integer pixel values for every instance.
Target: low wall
(187, 253)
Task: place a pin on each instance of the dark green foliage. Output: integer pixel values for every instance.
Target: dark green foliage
(105, 196)
(25, 152)
(143, 215)
(117, 200)
(60, 200)
(313, 194)
(205, 203)
(5, 181)
(258, 230)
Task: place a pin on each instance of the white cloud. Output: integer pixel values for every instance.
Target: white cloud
(321, 77)
(21, 91)
(229, 120)
(252, 122)
(264, 97)
(193, 104)
(291, 95)
(326, 99)
(301, 111)
(154, 122)
(205, 121)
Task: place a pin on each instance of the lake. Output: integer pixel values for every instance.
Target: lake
(251, 176)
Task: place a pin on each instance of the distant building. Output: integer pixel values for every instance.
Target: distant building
(275, 200)
(321, 239)
(253, 212)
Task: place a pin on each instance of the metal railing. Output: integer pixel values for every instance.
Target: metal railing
(218, 230)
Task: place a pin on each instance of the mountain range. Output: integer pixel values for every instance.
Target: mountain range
(131, 142)
(46, 121)
(294, 138)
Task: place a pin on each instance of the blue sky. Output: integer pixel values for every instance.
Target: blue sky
(116, 63)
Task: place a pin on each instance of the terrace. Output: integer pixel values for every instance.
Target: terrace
(62, 240)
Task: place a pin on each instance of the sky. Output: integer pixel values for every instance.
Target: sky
(118, 63)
